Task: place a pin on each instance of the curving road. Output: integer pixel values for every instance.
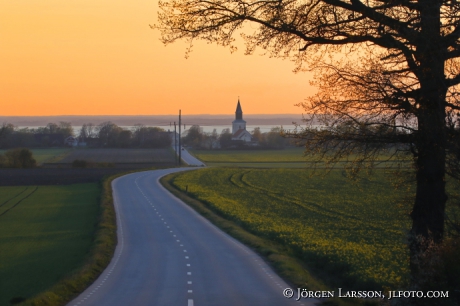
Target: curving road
(167, 254)
(188, 158)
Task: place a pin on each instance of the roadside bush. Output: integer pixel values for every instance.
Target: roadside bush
(19, 158)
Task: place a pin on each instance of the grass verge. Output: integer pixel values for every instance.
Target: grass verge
(281, 258)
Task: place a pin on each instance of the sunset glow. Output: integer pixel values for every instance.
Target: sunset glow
(101, 58)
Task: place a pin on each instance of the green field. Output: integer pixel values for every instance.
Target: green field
(287, 158)
(47, 155)
(250, 156)
(45, 233)
(353, 233)
(98, 155)
(120, 155)
(260, 165)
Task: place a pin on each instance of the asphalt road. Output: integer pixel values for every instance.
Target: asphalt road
(189, 158)
(167, 254)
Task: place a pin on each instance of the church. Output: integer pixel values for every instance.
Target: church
(239, 126)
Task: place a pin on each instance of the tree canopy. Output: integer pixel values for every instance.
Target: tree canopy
(387, 73)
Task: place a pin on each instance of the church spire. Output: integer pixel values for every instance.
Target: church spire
(239, 111)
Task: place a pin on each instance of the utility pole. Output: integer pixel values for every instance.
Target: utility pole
(175, 142)
(180, 145)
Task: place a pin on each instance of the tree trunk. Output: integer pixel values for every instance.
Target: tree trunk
(430, 200)
(428, 212)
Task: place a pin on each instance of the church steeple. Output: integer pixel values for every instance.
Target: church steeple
(238, 123)
(239, 111)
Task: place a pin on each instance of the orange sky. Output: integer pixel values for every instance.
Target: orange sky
(100, 57)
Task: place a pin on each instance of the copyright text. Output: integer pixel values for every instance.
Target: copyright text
(300, 293)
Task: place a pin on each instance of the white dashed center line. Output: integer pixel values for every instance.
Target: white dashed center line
(189, 291)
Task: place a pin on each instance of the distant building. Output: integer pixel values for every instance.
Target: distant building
(239, 126)
(71, 141)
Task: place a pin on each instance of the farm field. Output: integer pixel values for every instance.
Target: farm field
(287, 158)
(259, 165)
(354, 233)
(45, 233)
(121, 155)
(57, 176)
(254, 156)
(47, 155)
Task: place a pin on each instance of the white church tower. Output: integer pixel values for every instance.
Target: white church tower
(238, 123)
(239, 126)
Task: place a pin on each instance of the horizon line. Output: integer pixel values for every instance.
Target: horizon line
(259, 114)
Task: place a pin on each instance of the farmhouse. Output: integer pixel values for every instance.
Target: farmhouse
(71, 141)
(239, 126)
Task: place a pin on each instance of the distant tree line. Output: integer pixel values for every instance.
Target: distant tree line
(195, 137)
(106, 134)
(49, 136)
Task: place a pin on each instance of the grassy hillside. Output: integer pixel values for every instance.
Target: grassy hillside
(45, 233)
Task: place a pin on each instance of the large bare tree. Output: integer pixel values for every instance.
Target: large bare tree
(387, 73)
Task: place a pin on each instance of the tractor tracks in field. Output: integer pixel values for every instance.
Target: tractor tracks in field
(241, 180)
(19, 201)
(16, 195)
